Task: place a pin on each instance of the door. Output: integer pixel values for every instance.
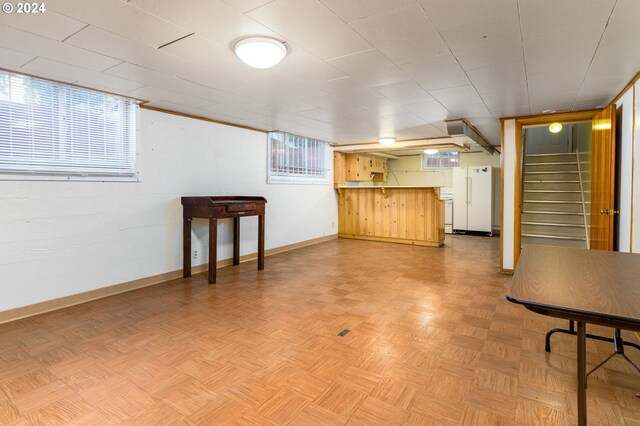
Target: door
(460, 201)
(603, 179)
(480, 186)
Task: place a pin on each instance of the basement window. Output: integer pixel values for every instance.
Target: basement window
(55, 131)
(297, 159)
(440, 160)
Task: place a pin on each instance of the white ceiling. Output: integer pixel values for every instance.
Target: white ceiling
(356, 69)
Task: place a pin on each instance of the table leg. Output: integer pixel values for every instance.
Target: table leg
(582, 374)
(260, 242)
(186, 247)
(236, 240)
(213, 249)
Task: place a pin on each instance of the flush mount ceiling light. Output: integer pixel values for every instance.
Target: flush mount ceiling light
(555, 127)
(387, 141)
(260, 52)
(431, 151)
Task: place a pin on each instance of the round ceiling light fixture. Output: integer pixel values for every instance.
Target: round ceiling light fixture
(431, 151)
(260, 52)
(387, 141)
(555, 127)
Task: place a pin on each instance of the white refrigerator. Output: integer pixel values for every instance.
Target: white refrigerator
(472, 199)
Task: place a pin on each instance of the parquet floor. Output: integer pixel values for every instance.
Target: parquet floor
(432, 341)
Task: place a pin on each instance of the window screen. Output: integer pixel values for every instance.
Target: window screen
(439, 160)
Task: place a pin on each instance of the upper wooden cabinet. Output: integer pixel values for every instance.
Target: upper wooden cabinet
(358, 167)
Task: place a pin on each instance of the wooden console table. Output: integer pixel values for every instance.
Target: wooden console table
(214, 208)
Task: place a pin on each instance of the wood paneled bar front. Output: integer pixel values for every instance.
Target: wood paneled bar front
(398, 214)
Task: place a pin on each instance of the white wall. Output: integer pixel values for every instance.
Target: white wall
(63, 238)
(635, 189)
(408, 171)
(508, 197)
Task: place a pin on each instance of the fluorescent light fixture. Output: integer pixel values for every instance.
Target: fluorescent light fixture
(431, 151)
(387, 141)
(555, 127)
(260, 52)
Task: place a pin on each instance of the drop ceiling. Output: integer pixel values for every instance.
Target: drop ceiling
(356, 70)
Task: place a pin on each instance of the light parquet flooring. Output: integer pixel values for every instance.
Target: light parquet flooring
(432, 341)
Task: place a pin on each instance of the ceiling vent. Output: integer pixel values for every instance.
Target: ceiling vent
(461, 128)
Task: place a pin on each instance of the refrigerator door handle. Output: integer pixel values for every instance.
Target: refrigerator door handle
(469, 185)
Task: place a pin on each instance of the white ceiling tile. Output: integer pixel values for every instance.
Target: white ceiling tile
(405, 92)
(304, 66)
(437, 72)
(561, 101)
(170, 96)
(383, 107)
(154, 78)
(455, 96)
(370, 67)
(540, 17)
(231, 111)
(428, 131)
(591, 103)
(211, 19)
(282, 102)
(276, 114)
(356, 9)
(49, 24)
(570, 51)
(82, 75)
(105, 43)
(451, 14)
(42, 46)
(431, 111)
(14, 58)
(601, 85)
(310, 24)
(553, 82)
(478, 110)
(212, 77)
(486, 43)
(246, 5)
(507, 77)
(623, 24)
(121, 18)
(350, 89)
(406, 119)
(405, 34)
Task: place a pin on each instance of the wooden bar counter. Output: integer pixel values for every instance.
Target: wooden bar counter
(398, 214)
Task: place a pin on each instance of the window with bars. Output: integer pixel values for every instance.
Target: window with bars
(297, 159)
(51, 130)
(440, 160)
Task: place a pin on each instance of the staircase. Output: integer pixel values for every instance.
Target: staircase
(553, 209)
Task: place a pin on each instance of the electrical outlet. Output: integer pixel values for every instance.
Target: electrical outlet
(195, 254)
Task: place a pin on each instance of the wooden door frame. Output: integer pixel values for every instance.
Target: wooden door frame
(520, 122)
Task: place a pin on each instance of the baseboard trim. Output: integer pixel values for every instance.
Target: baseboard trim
(99, 293)
(506, 271)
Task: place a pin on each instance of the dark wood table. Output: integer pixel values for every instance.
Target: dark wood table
(220, 207)
(587, 286)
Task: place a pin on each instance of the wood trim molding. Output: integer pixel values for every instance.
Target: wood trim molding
(506, 271)
(99, 293)
(528, 120)
(196, 117)
(501, 193)
(517, 197)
